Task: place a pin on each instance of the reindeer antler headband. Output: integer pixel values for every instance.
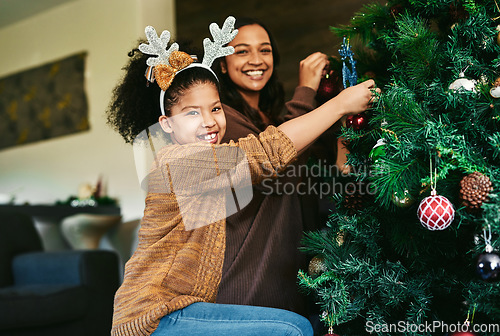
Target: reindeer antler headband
(168, 62)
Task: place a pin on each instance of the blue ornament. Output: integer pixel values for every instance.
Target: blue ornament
(349, 75)
(488, 266)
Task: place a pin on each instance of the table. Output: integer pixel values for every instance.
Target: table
(59, 210)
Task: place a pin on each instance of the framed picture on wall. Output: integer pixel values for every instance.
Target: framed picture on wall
(43, 103)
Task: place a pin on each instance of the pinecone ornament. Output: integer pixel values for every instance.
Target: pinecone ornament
(356, 196)
(474, 190)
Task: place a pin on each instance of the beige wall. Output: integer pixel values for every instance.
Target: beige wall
(51, 170)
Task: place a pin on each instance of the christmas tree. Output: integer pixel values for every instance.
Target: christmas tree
(412, 248)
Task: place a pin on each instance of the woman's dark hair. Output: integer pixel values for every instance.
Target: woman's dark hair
(135, 103)
(272, 96)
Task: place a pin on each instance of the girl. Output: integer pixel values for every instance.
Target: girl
(173, 277)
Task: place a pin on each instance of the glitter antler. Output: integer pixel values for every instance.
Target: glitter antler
(157, 46)
(166, 63)
(221, 37)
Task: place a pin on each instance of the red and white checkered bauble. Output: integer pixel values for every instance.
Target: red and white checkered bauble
(436, 212)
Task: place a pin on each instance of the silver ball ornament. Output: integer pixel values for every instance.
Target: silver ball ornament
(463, 84)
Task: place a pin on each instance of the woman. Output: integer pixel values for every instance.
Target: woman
(262, 256)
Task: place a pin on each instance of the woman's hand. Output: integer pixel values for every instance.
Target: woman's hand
(356, 99)
(311, 70)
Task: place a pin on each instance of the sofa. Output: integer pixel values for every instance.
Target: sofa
(52, 293)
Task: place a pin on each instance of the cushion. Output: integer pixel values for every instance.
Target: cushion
(39, 305)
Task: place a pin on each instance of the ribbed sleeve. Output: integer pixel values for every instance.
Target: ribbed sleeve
(269, 155)
(302, 102)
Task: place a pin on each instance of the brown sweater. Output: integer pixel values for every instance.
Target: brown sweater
(173, 267)
(262, 257)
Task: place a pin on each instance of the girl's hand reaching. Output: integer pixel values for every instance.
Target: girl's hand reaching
(305, 129)
(355, 99)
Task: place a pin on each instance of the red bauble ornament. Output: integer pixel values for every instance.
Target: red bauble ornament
(436, 212)
(357, 122)
(463, 333)
(329, 87)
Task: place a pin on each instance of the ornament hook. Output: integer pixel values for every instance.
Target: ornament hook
(487, 239)
(467, 323)
(433, 177)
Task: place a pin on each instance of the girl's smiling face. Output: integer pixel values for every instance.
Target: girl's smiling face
(196, 117)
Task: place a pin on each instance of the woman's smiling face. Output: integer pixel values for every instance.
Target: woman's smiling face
(251, 65)
(197, 117)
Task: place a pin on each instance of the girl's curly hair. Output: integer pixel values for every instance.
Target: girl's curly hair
(134, 104)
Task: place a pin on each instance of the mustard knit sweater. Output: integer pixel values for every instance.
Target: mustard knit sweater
(173, 267)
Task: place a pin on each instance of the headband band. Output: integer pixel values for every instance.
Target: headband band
(192, 65)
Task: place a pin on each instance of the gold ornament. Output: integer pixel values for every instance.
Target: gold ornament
(316, 266)
(340, 238)
(402, 200)
(498, 35)
(495, 90)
